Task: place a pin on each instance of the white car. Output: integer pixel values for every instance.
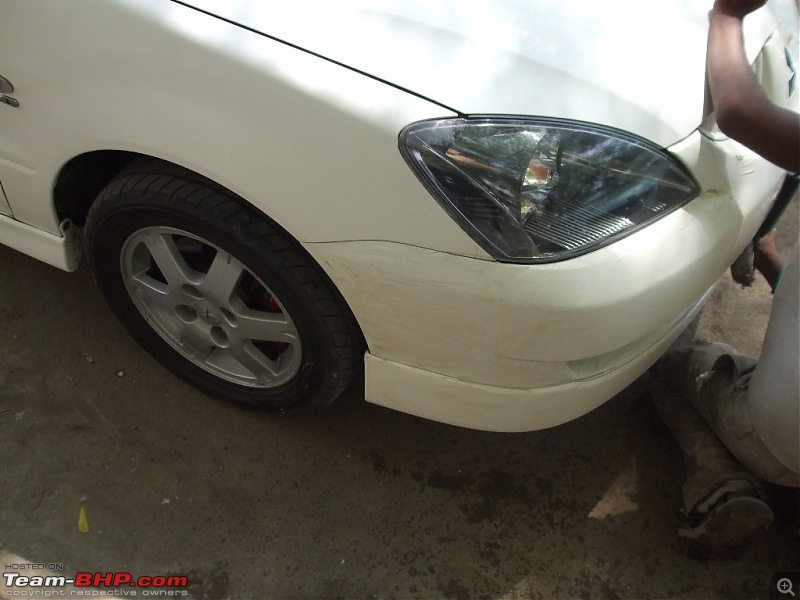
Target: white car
(507, 209)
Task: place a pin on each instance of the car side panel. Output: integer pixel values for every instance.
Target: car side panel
(5, 209)
(311, 144)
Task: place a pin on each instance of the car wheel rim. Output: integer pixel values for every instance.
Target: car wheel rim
(210, 308)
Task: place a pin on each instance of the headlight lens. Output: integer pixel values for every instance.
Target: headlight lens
(538, 190)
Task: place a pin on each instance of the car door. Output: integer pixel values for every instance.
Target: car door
(4, 208)
(5, 98)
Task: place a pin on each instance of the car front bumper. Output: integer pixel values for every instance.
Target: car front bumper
(509, 347)
(496, 408)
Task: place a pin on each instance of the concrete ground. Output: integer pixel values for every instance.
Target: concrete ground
(356, 502)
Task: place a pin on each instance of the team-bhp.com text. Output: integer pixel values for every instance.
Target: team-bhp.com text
(87, 584)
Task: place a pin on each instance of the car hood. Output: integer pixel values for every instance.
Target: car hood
(637, 66)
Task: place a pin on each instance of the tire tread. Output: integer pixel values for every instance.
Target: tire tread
(182, 190)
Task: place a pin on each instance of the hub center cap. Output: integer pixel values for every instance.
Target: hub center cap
(208, 312)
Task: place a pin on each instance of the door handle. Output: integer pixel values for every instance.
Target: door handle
(7, 88)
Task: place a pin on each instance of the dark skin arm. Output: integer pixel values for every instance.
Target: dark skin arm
(767, 259)
(743, 110)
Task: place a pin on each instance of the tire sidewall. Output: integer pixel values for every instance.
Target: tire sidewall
(116, 217)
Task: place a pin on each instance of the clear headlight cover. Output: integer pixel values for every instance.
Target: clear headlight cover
(540, 190)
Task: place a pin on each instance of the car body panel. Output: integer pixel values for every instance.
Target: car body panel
(452, 335)
(268, 154)
(62, 251)
(520, 348)
(516, 56)
(503, 409)
(546, 332)
(5, 209)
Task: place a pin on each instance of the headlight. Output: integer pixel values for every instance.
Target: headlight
(539, 190)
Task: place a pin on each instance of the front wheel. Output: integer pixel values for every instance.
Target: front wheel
(217, 293)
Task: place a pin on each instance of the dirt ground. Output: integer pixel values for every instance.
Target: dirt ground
(356, 502)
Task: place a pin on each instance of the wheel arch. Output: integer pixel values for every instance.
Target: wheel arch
(82, 178)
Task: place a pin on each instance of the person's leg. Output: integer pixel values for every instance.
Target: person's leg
(711, 471)
(754, 408)
(773, 398)
(716, 381)
(723, 501)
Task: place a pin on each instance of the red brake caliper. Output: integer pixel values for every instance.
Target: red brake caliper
(263, 298)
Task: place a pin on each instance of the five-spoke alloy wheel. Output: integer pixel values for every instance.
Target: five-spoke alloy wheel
(218, 293)
(210, 308)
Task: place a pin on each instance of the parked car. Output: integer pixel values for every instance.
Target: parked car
(506, 210)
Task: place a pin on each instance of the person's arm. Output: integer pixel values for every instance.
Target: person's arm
(743, 111)
(768, 260)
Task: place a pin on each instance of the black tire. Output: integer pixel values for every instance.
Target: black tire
(200, 220)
